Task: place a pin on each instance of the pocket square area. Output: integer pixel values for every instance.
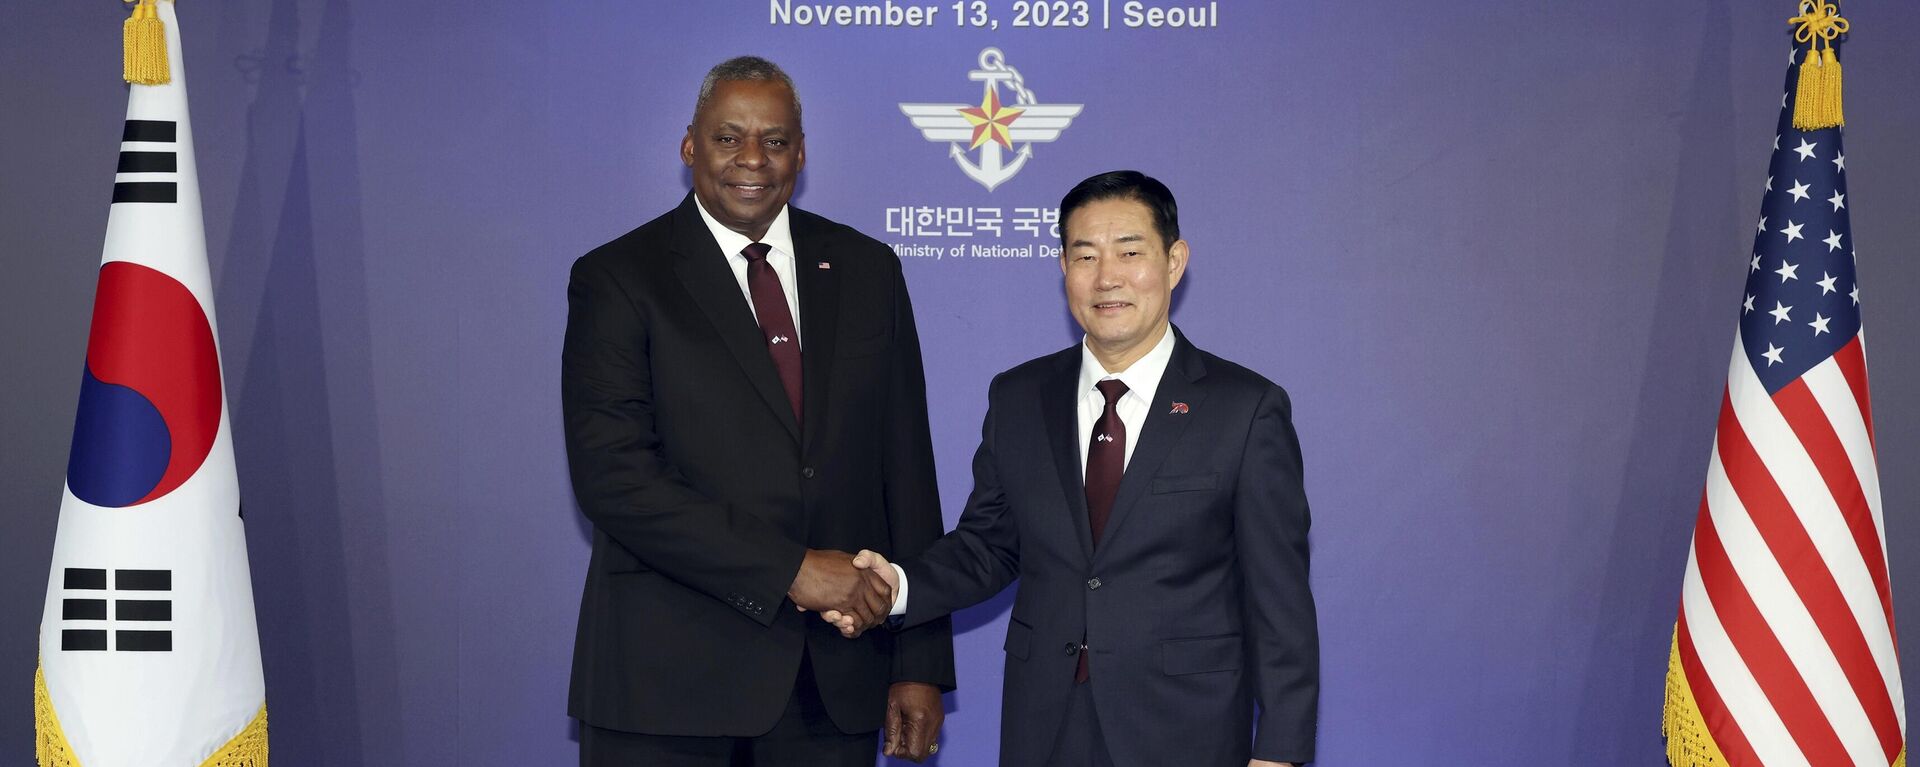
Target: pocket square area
(1185, 483)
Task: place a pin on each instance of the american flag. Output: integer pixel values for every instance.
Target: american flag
(1784, 653)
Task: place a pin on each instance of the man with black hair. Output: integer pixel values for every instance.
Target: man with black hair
(1148, 496)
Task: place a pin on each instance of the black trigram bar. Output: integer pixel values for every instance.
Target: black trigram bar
(143, 580)
(149, 162)
(143, 641)
(142, 610)
(85, 578)
(83, 609)
(149, 130)
(146, 191)
(83, 639)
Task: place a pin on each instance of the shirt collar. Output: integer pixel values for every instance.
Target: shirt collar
(1142, 377)
(779, 233)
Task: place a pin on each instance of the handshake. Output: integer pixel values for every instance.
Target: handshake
(852, 592)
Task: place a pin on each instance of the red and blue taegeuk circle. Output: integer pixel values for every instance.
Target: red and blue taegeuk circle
(150, 399)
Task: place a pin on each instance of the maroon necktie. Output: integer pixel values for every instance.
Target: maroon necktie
(1106, 462)
(776, 320)
(1106, 458)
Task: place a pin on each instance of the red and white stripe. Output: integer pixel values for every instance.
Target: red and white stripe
(1786, 621)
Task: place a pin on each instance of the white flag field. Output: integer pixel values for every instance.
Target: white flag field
(149, 656)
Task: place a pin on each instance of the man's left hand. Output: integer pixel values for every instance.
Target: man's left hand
(914, 714)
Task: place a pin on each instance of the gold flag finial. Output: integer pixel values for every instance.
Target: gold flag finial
(143, 58)
(1816, 102)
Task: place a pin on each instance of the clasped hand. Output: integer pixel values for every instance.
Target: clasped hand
(849, 596)
(876, 567)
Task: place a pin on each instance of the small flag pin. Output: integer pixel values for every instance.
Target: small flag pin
(1179, 408)
(825, 265)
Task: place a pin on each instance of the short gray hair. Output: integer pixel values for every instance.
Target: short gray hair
(741, 68)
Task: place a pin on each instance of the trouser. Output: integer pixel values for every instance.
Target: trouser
(1080, 743)
(805, 736)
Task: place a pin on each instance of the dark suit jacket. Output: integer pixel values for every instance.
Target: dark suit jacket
(704, 492)
(1195, 605)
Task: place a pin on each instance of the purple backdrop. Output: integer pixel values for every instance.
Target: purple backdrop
(1494, 253)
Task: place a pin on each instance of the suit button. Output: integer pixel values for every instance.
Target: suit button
(1073, 648)
(1093, 583)
(807, 472)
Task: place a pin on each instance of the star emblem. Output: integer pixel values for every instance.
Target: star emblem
(1826, 283)
(1819, 324)
(1772, 354)
(1855, 295)
(1754, 265)
(1762, 226)
(1805, 149)
(1798, 190)
(1780, 313)
(1832, 240)
(1748, 305)
(1787, 271)
(1793, 231)
(1839, 200)
(990, 120)
(1839, 163)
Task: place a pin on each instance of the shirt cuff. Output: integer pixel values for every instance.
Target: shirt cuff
(899, 594)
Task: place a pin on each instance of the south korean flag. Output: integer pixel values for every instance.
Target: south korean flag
(148, 652)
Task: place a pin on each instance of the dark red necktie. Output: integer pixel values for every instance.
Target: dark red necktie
(776, 320)
(1106, 462)
(1106, 458)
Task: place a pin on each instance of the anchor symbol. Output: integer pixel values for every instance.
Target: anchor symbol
(991, 127)
(992, 124)
(990, 172)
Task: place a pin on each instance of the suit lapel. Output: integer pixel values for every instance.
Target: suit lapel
(1058, 400)
(819, 292)
(704, 271)
(1162, 430)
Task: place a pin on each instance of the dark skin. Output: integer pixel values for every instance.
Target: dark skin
(745, 149)
(914, 715)
(828, 581)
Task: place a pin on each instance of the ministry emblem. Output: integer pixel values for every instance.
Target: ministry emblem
(994, 127)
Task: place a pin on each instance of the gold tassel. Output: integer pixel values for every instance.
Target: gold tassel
(1806, 95)
(247, 749)
(1689, 744)
(1830, 88)
(143, 59)
(1817, 95)
(50, 747)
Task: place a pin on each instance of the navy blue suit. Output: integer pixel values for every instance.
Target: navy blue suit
(1195, 604)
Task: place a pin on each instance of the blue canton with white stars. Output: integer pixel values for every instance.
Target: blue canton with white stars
(1802, 303)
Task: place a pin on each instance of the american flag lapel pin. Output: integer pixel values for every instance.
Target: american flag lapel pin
(825, 265)
(1179, 408)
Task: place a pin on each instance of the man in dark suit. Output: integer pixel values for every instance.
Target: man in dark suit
(1148, 496)
(744, 403)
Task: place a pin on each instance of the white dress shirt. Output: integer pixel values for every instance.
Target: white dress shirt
(780, 237)
(1142, 379)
